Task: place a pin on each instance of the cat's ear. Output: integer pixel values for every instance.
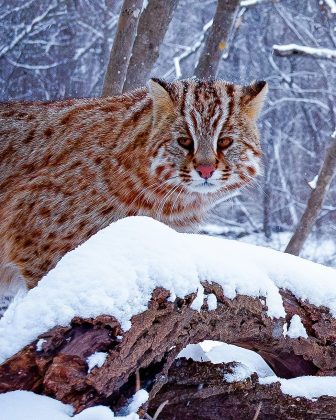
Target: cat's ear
(253, 98)
(159, 91)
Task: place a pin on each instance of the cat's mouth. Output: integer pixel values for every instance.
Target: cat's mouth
(205, 186)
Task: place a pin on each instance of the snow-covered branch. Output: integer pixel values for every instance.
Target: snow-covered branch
(293, 49)
(332, 5)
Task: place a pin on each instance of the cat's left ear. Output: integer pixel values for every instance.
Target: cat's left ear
(159, 91)
(253, 98)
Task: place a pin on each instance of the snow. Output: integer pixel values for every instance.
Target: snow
(212, 302)
(247, 362)
(313, 182)
(198, 301)
(39, 344)
(139, 398)
(310, 387)
(216, 352)
(194, 352)
(239, 374)
(116, 271)
(317, 52)
(332, 5)
(318, 249)
(96, 359)
(296, 328)
(18, 405)
(246, 3)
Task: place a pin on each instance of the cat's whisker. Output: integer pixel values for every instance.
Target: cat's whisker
(175, 201)
(165, 199)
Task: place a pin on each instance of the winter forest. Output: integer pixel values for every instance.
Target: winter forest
(200, 339)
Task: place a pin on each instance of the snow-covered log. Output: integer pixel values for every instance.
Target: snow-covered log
(56, 364)
(114, 314)
(197, 391)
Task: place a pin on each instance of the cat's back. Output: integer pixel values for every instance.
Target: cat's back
(38, 134)
(28, 129)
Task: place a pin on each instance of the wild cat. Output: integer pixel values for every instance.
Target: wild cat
(70, 168)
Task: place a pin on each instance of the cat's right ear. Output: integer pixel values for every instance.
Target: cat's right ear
(162, 102)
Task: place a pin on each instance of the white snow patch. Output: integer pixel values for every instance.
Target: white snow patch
(239, 373)
(39, 344)
(19, 405)
(198, 301)
(296, 328)
(136, 13)
(313, 182)
(332, 5)
(212, 302)
(194, 352)
(247, 3)
(116, 271)
(139, 398)
(247, 360)
(310, 387)
(96, 359)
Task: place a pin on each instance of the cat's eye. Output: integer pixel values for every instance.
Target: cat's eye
(224, 143)
(186, 142)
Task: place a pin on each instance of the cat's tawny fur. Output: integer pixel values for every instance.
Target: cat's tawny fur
(69, 168)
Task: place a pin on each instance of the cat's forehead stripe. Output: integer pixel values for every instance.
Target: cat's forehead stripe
(207, 107)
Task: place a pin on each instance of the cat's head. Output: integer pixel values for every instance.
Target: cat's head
(204, 133)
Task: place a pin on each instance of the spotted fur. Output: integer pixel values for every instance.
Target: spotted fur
(70, 168)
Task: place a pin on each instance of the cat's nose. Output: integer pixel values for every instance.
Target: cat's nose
(205, 171)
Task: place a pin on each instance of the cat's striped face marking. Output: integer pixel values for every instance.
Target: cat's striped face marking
(211, 141)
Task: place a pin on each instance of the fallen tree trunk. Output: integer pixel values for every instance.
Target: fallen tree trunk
(57, 366)
(196, 390)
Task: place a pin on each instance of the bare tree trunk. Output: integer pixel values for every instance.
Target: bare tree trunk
(153, 25)
(122, 47)
(216, 41)
(267, 212)
(315, 202)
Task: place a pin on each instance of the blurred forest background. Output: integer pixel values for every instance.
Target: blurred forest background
(55, 49)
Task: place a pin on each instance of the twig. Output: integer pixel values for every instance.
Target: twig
(137, 381)
(160, 408)
(257, 411)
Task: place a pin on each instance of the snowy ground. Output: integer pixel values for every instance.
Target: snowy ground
(116, 271)
(320, 250)
(23, 405)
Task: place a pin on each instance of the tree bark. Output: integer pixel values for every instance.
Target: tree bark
(315, 201)
(153, 25)
(216, 40)
(122, 47)
(196, 390)
(156, 337)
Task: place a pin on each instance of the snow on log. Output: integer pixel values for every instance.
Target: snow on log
(197, 391)
(137, 293)
(292, 49)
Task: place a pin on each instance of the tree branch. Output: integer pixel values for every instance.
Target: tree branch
(315, 201)
(294, 49)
